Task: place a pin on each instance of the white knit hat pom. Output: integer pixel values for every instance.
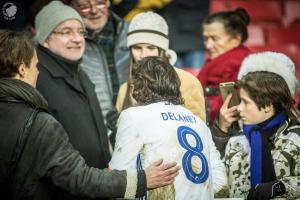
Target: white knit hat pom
(172, 56)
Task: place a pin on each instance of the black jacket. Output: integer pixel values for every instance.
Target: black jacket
(73, 102)
(48, 160)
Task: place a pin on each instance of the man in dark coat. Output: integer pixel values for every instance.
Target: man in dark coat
(69, 92)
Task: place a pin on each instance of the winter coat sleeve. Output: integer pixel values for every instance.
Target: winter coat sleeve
(220, 138)
(290, 149)
(67, 169)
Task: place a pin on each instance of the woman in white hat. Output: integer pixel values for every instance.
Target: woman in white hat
(148, 36)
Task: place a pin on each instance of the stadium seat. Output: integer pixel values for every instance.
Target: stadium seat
(218, 5)
(282, 35)
(256, 36)
(291, 13)
(269, 11)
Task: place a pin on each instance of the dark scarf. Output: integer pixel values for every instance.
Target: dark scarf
(71, 67)
(14, 90)
(261, 162)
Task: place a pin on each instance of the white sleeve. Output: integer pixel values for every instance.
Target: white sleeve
(128, 143)
(219, 176)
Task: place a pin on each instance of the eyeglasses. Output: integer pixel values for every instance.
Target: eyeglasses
(69, 33)
(86, 6)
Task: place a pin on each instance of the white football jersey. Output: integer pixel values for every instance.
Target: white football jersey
(171, 132)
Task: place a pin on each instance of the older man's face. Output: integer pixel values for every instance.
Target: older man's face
(67, 40)
(93, 12)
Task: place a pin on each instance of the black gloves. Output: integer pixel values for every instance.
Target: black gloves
(266, 191)
(111, 122)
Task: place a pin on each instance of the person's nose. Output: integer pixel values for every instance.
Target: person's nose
(146, 53)
(143, 53)
(77, 37)
(239, 107)
(93, 8)
(209, 44)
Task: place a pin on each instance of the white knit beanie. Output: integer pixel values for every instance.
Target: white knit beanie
(150, 28)
(272, 62)
(50, 16)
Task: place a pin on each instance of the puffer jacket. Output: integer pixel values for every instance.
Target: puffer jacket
(94, 63)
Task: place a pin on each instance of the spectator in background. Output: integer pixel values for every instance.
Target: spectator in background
(184, 19)
(68, 90)
(168, 130)
(224, 34)
(106, 56)
(148, 36)
(36, 157)
(264, 161)
(278, 63)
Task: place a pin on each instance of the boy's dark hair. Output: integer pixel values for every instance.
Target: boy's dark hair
(155, 80)
(266, 88)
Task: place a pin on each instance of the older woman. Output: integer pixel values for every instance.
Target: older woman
(224, 34)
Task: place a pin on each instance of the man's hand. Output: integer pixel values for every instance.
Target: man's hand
(227, 115)
(159, 174)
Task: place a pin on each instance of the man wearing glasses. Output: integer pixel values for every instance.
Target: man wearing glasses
(106, 57)
(68, 90)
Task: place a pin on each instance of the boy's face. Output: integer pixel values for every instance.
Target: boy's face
(249, 112)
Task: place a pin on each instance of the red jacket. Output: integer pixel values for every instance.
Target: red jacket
(224, 68)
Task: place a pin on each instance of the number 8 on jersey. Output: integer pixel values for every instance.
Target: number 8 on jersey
(194, 177)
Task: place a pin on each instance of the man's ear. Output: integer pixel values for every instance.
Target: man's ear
(46, 44)
(22, 71)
